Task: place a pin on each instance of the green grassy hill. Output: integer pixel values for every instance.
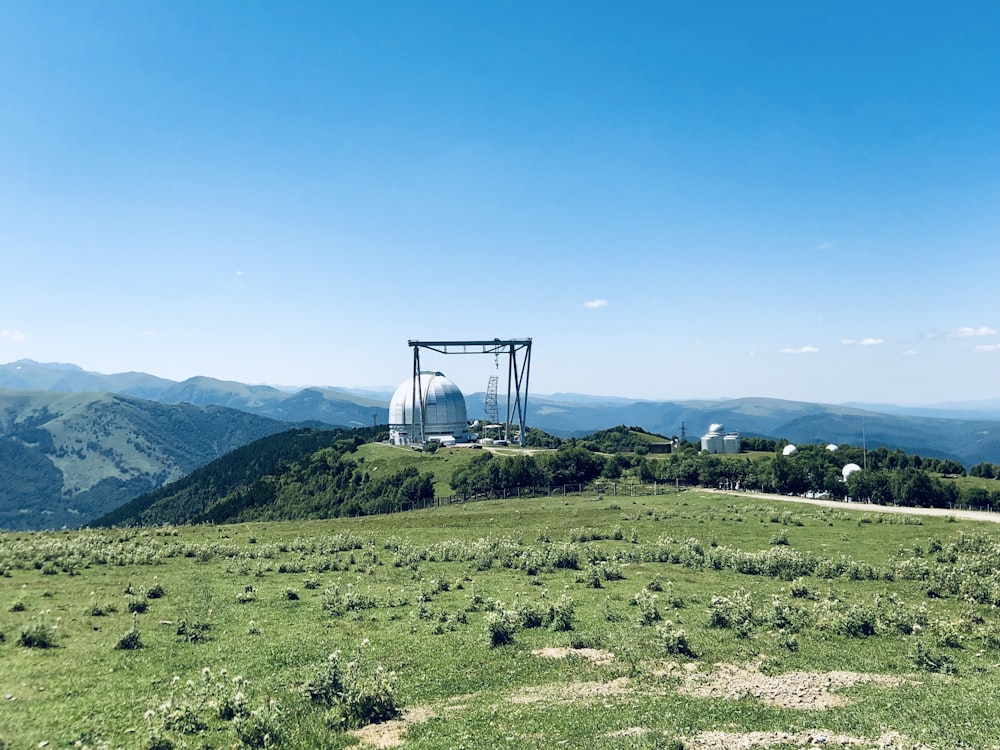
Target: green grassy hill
(71, 457)
(684, 620)
(299, 474)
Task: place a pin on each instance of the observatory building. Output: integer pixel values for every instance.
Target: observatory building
(441, 410)
(719, 441)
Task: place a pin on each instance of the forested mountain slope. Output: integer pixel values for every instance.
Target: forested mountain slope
(66, 458)
(299, 474)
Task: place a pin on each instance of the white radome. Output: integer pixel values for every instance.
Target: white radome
(789, 450)
(849, 469)
(442, 403)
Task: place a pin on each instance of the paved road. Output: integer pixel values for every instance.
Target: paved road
(972, 515)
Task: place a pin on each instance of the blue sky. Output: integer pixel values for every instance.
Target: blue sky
(673, 200)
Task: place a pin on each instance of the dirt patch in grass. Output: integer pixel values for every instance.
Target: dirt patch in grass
(572, 691)
(805, 738)
(595, 655)
(802, 690)
(390, 733)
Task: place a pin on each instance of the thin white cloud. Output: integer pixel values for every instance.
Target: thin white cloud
(239, 273)
(11, 335)
(969, 331)
(848, 342)
(825, 246)
(800, 350)
(988, 348)
(871, 342)
(595, 303)
(910, 353)
(147, 332)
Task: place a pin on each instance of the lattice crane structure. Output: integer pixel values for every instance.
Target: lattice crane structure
(518, 353)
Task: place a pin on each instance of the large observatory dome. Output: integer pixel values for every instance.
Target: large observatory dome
(440, 408)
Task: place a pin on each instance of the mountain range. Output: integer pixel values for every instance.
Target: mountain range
(76, 444)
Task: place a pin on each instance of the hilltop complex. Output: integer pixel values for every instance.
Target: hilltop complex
(717, 440)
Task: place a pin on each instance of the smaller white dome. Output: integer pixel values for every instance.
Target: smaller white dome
(850, 469)
(789, 450)
(717, 428)
(832, 446)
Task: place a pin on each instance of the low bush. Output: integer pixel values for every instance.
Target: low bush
(357, 692)
(131, 640)
(37, 634)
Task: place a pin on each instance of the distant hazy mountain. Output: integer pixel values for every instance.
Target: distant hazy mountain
(66, 458)
(989, 409)
(327, 405)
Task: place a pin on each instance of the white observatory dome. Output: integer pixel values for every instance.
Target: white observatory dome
(716, 429)
(849, 469)
(442, 405)
(789, 450)
(832, 447)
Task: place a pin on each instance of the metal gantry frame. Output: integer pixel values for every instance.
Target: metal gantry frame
(518, 353)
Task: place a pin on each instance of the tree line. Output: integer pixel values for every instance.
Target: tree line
(888, 476)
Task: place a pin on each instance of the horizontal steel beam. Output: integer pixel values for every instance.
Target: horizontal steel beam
(486, 346)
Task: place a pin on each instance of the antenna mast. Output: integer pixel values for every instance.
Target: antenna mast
(491, 409)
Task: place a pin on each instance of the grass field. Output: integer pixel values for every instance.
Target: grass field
(684, 621)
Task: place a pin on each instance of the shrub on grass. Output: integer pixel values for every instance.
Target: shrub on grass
(339, 600)
(528, 614)
(674, 640)
(649, 612)
(136, 605)
(930, 660)
(37, 634)
(261, 727)
(786, 616)
(357, 692)
(500, 628)
(192, 632)
(800, 589)
(733, 612)
(131, 640)
(561, 614)
(156, 592)
(100, 610)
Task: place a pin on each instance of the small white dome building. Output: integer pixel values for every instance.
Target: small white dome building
(441, 409)
(849, 469)
(789, 450)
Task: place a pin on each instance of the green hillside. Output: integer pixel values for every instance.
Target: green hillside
(301, 474)
(70, 457)
(691, 620)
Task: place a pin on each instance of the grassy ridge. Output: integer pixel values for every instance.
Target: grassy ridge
(414, 599)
